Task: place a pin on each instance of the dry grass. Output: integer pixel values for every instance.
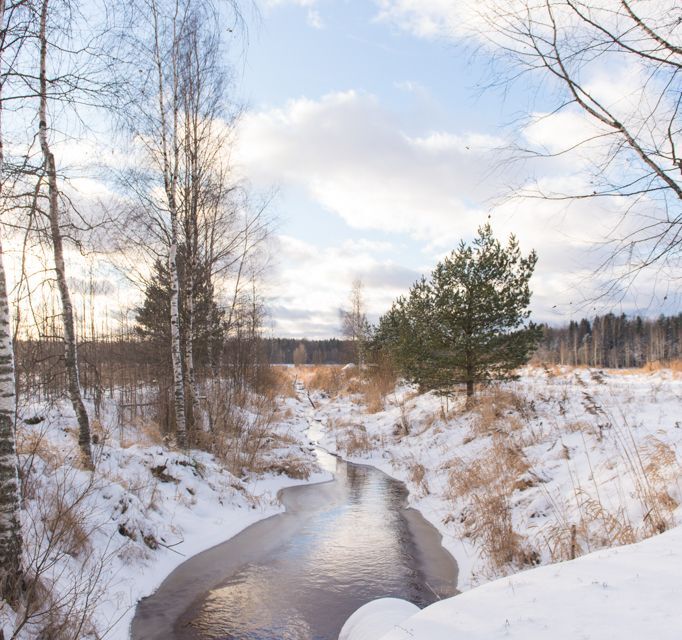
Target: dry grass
(418, 478)
(499, 410)
(330, 379)
(379, 380)
(35, 443)
(291, 465)
(351, 438)
(650, 469)
(282, 381)
(371, 384)
(671, 365)
(143, 432)
(486, 483)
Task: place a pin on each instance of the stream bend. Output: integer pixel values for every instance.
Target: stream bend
(300, 574)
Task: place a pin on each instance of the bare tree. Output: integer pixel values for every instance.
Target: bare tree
(50, 169)
(634, 145)
(185, 131)
(10, 521)
(354, 324)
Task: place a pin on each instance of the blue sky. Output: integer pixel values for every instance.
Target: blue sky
(372, 126)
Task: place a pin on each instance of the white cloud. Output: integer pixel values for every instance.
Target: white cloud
(432, 18)
(315, 19)
(313, 16)
(313, 283)
(353, 157)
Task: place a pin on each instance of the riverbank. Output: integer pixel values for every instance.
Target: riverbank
(102, 540)
(630, 592)
(300, 574)
(556, 465)
(561, 464)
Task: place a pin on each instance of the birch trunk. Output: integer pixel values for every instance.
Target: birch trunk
(176, 347)
(189, 352)
(10, 522)
(70, 349)
(171, 162)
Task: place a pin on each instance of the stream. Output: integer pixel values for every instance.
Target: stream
(300, 574)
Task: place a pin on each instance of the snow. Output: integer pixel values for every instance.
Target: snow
(575, 462)
(561, 463)
(630, 592)
(144, 511)
(374, 619)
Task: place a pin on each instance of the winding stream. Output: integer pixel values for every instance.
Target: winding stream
(300, 574)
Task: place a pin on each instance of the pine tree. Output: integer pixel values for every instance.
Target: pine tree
(468, 324)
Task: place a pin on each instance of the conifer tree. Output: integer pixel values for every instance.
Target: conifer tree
(469, 323)
(208, 327)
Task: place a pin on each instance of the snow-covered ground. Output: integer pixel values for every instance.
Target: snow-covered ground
(559, 464)
(556, 465)
(144, 510)
(624, 593)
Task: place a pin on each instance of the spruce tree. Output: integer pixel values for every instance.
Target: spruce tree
(469, 323)
(153, 315)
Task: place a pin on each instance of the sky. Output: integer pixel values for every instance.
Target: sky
(375, 124)
(382, 132)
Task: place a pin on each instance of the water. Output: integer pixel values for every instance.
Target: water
(299, 575)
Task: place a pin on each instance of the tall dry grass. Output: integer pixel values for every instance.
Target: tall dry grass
(485, 484)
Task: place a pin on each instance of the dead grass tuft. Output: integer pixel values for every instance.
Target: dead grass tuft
(291, 465)
(282, 381)
(418, 478)
(486, 483)
(500, 410)
(351, 438)
(143, 432)
(380, 379)
(330, 379)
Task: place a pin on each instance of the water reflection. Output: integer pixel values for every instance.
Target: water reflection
(353, 542)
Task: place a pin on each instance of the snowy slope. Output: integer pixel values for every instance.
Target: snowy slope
(553, 466)
(627, 593)
(144, 511)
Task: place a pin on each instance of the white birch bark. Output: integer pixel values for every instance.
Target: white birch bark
(10, 527)
(10, 521)
(70, 349)
(189, 351)
(170, 151)
(176, 347)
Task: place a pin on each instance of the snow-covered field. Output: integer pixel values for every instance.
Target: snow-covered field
(560, 464)
(554, 466)
(103, 540)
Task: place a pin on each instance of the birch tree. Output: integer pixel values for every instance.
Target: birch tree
(184, 131)
(57, 245)
(354, 324)
(10, 523)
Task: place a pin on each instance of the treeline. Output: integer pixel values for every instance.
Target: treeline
(296, 351)
(614, 341)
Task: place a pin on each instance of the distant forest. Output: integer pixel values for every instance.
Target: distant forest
(613, 341)
(296, 351)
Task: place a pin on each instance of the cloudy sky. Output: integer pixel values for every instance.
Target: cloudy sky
(372, 121)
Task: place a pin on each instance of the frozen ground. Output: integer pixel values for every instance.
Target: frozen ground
(557, 465)
(143, 511)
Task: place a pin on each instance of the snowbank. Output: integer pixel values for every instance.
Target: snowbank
(631, 592)
(555, 465)
(146, 509)
(563, 463)
(374, 619)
